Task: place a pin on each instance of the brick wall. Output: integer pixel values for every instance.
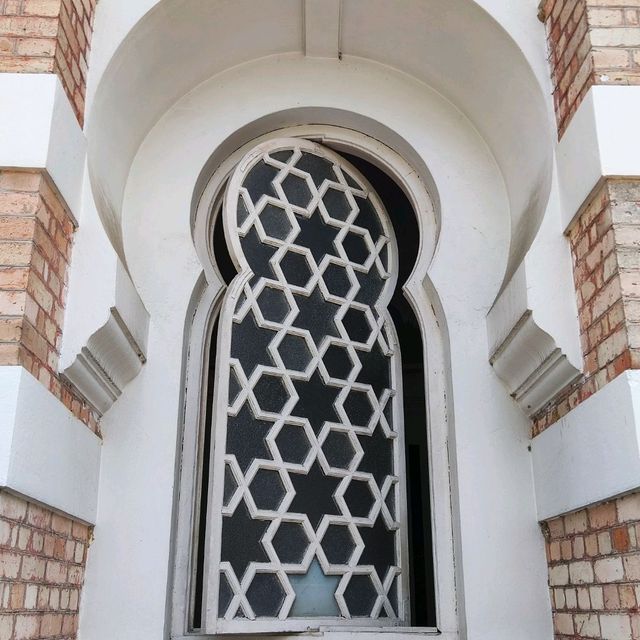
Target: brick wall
(605, 242)
(594, 571)
(36, 233)
(590, 42)
(47, 36)
(42, 561)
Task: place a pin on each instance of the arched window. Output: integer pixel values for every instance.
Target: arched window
(313, 492)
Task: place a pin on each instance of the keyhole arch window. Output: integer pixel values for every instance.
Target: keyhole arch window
(311, 502)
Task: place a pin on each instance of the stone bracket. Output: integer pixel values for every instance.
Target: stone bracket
(532, 365)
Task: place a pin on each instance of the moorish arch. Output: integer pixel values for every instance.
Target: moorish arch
(411, 92)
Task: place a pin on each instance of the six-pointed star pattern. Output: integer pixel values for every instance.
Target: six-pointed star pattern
(329, 225)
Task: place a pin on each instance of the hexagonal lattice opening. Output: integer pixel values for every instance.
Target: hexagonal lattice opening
(337, 204)
(356, 248)
(338, 362)
(358, 408)
(275, 222)
(296, 191)
(290, 542)
(266, 595)
(271, 393)
(338, 544)
(273, 304)
(357, 326)
(293, 444)
(360, 596)
(338, 449)
(359, 498)
(295, 268)
(337, 281)
(267, 489)
(294, 352)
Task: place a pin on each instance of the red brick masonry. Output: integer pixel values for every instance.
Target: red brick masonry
(42, 561)
(594, 571)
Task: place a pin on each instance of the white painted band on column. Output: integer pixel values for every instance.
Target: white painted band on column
(602, 139)
(39, 130)
(593, 453)
(46, 454)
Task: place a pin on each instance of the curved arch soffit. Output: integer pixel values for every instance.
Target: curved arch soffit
(181, 43)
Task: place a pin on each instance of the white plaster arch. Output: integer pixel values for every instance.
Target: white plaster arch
(177, 44)
(494, 507)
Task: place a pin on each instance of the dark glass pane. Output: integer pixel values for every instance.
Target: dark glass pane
(258, 254)
(241, 540)
(337, 280)
(378, 455)
(390, 501)
(267, 489)
(273, 304)
(316, 402)
(357, 326)
(225, 594)
(294, 352)
(351, 181)
(314, 494)
(295, 268)
(275, 222)
(356, 248)
(246, 437)
(316, 235)
(379, 547)
(265, 595)
(371, 285)
(249, 344)
(337, 204)
(296, 190)
(282, 156)
(230, 485)
(358, 408)
(293, 444)
(338, 449)
(368, 219)
(243, 213)
(338, 362)
(234, 386)
(290, 542)
(375, 369)
(360, 596)
(319, 168)
(338, 544)
(271, 393)
(316, 315)
(259, 181)
(359, 498)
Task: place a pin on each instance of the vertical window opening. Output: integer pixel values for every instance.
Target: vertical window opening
(405, 225)
(263, 595)
(227, 272)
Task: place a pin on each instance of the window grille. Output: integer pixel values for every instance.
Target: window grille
(307, 514)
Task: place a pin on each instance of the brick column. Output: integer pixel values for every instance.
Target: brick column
(42, 554)
(590, 42)
(48, 36)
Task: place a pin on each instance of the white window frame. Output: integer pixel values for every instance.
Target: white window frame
(203, 311)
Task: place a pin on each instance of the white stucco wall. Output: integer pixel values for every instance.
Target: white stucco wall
(499, 541)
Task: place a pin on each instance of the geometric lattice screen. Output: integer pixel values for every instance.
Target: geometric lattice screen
(308, 514)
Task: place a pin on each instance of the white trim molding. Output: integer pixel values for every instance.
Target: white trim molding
(593, 453)
(39, 130)
(602, 140)
(46, 454)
